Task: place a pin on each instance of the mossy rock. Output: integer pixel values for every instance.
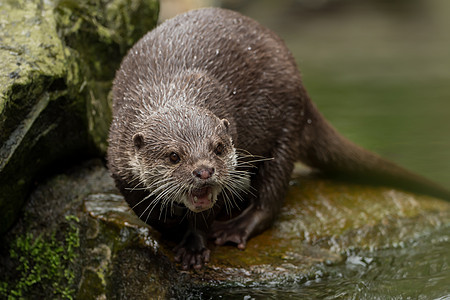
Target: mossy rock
(60, 250)
(58, 61)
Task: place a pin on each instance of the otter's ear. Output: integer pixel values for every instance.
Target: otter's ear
(226, 124)
(138, 140)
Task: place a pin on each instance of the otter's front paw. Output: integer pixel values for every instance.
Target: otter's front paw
(189, 258)
(192, 251)
(230, 231)
(240, 229)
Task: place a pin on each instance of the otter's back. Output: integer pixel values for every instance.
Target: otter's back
(255, 70)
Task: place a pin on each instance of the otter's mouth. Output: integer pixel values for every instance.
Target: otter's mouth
(201, 199)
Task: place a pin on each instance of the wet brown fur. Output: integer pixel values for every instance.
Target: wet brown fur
(215, 64)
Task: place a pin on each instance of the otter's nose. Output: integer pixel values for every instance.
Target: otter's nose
(203, 172)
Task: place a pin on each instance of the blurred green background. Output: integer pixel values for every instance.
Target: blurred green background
(379, 70)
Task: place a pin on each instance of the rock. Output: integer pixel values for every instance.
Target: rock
(58, 60)
(114, 255)
(118, 256)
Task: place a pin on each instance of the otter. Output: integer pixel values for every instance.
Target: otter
(209, 116)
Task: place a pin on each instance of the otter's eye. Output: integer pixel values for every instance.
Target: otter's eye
(219, 149)
(174, 158)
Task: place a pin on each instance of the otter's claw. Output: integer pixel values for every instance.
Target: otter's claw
(189, 258)
(240, 229)
(192, 251)
(224, 232)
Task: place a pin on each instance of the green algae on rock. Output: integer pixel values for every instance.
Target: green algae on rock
(58, 61)
(44, 261)
(32, 79)
(98, 33)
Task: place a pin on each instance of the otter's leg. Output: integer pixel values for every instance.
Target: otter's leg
(192, 228)
(271, 184)
(192, 250)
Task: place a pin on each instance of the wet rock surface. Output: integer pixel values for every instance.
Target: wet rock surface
(118, 256)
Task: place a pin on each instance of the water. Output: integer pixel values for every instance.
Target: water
(379, 73)
(418, 269)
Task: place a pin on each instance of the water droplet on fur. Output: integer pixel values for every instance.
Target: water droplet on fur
(309, 121)
(217, 51)
(249, 48)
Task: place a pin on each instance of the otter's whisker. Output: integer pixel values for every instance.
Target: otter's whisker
(140, 202)
(227, 202)
(231, 197)
(151, 204)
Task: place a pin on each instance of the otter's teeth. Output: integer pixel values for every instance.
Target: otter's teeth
(195, 199)
(209, 197)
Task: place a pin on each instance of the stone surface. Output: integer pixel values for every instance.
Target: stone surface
(58, 60)
(120, 257)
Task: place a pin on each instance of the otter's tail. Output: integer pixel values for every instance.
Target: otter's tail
(322, 147)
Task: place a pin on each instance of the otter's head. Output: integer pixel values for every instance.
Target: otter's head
(185, 155)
